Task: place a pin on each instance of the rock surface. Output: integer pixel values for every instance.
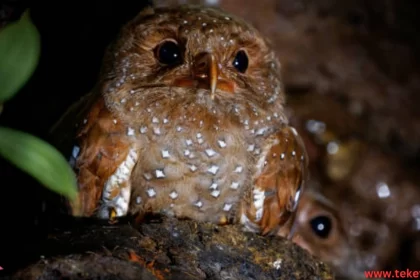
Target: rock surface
(169, 249)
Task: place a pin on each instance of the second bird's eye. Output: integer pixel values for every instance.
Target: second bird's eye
(240, 62)
(321, 226)
(168, 52)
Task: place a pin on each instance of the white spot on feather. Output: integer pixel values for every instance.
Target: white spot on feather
(259, 197)
(165, 154)
(210, 152)
(251, 148)
(75, 152)
(222, 144)
(238, 169)
(143, 129)
(227, 207)
(151, 192)
(147, 176)
(156, 130)
(263, 156)
(130, 131)
(234, 185)
(261, 131)
(173, 195)
(160, 174)
(215, 193)
(119, 180)
(213, 169)
(199, 204)
(193, 167)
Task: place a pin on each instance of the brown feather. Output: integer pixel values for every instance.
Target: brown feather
(102, 149)
(283, 175)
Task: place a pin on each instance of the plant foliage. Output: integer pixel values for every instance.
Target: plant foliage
(19, 56)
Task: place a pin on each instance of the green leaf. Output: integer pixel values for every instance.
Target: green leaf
(19, 55)
(39, 159)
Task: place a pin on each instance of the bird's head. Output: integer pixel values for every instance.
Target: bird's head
(193, 55)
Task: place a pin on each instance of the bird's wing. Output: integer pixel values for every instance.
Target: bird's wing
(281, 173)
(100, 157)
(62, 133)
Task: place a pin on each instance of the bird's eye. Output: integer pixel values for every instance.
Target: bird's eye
(240, 62)
(321, 225)
(168, 52)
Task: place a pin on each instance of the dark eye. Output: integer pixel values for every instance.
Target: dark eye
(168, 52)
(321, 225)
(241, 61)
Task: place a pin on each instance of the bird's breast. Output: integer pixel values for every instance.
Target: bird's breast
(194, 170)
(193, 160)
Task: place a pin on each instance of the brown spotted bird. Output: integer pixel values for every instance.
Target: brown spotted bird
(372, 222)
(361, 209)
(187, 119)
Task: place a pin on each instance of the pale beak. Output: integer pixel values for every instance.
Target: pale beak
(206, 70)
(207, 74)
(213, 75)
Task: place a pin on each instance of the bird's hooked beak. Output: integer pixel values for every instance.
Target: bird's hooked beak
(206, 73)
